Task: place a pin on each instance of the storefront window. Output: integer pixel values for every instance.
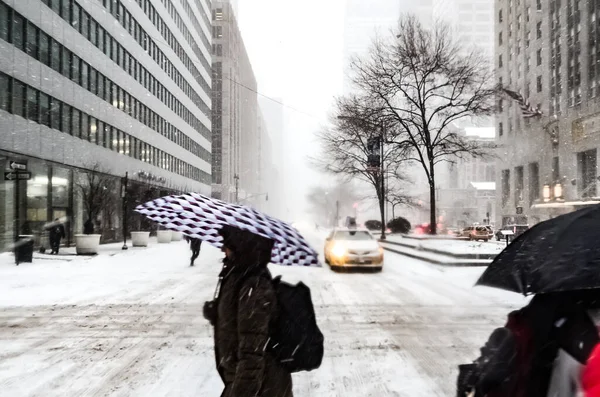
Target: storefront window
(37, 197)
(60, 192)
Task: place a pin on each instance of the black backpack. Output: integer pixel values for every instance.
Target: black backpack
(296, 341)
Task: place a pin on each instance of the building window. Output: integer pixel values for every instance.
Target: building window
(107, 137)
(85, 24)
(75, 122)
(539, 84)
(65, 124)
(32, 41)
(85, 127)
(538, 30)
(55, 52)
(4, 22)
(84, 75)
(500, 60)
(55, 116)
(44, 109)
(500, 16)
(519, 179)
(534, 182)
(19, 99)
(18, 31)
(66, 9)
(5, 93)
(539, 5)
(75, 67)
(93, 130)
(44, 48)
(32, 104)
(55, 6)
(500, 129)
(500, 38)
(505, 186)
(539, 57)
(586, 164)
(76, 16)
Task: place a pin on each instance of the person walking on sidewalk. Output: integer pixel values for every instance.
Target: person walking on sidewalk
(57, 232)
(244, 307)
(195, 244)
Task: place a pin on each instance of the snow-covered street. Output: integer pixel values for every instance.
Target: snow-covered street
(131, 325)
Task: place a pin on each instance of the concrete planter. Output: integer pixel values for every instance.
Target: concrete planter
(164, 236)
(140, 239)
(87, 244)
(176, 236)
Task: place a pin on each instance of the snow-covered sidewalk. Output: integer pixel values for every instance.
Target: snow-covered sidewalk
(453, 247)
(131, 325)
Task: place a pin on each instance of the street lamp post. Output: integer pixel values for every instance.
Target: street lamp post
(124, 197)
(383, 225)
(236, 177)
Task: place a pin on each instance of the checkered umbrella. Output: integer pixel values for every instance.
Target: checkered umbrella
(199, 216)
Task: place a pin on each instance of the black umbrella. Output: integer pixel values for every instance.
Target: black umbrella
(561, 254)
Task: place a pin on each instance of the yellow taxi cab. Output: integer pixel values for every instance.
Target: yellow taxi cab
(350, 247)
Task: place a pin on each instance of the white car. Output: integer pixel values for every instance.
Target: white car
(349, 247)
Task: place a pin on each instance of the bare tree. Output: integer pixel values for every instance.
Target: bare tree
(345, 147)
(397, 196)
(425, 80)
(97, 192)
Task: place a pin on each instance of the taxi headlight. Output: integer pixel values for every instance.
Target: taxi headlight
(338, 250)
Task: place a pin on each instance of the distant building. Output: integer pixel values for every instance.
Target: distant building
(472, 21)
(100, 85)
(275, 185)
(548, 51)
(364, 20)
(465, 187)
(236, 116)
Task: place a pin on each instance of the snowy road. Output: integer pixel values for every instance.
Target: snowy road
(131, 325)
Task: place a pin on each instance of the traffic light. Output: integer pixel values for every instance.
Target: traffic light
(373, 152)
(374, 161)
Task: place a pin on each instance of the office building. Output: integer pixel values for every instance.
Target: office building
(472, 21)
(114, 86)
(549, 51)
(365, 20)
(236, 117)
(272, 110)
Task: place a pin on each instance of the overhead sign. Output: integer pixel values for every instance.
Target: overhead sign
(12, 176)
(18, 166)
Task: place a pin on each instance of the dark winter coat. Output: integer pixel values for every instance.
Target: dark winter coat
(245, 308)
(57, 232)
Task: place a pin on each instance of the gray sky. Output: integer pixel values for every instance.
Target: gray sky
(296, 58)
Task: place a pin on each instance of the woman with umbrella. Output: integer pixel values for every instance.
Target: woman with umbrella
(244, 306)
(246, 303)
(559, 262)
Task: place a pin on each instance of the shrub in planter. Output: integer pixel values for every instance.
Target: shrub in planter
(399, 225)
(373, 225)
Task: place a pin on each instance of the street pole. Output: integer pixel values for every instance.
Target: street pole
(337, 213)
(383, 225)
(236, 177)
(124, 194)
